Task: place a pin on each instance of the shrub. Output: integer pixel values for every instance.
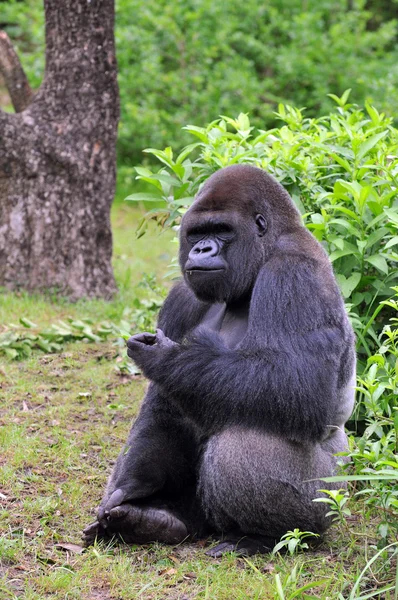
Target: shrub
(341, 171)
(184, 60)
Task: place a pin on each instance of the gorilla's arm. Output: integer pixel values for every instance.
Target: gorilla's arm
(284, 375)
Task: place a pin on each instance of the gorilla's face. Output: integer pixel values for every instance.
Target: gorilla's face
(221, 253)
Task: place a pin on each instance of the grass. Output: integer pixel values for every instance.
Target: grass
(63, 419)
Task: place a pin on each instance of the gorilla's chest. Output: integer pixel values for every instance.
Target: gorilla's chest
(230, 323)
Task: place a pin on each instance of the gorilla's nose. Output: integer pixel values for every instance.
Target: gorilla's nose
(204, 248)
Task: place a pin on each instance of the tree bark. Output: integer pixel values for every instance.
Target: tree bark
(57, 161)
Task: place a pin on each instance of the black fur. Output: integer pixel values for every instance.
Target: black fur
(252, 378)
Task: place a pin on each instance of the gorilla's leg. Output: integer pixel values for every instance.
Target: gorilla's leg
(151, 493)
(255, 487)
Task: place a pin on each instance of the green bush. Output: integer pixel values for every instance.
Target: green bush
(342, 172)
(182, 61)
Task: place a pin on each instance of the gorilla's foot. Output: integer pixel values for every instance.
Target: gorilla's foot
(138, 525)
(242, 546)
(94, 531)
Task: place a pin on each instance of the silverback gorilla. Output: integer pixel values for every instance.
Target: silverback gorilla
(252, 379)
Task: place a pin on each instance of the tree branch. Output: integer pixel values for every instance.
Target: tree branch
(14, 76)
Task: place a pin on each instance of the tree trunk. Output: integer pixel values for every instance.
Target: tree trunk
(57, 161)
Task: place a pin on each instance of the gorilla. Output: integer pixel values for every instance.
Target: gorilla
(252, 374)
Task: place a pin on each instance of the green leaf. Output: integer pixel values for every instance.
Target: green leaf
(187, 201)
(392, 215)
(347, 286)
(144, 172)
(312, 584)
(375, 236)
(150, 180)
(379, 262)
(349, 249)
(347, 225)
(338, 254)
(375, 207)
(373, 113)
(198, 131)
(140, 197)
(11, 353)
(390, 476)
(44, 345)
(345, 96)
(347, 211)
(369, 144)
(352, 187)
(396, 421)
(342, 162)
(27, 323)
(163, 156)
(168, 179)
(186, 152)
(341, 101)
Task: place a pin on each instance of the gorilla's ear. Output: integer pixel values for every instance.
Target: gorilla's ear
(262, 225)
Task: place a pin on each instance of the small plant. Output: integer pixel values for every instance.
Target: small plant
(386, 553)
(337, 500)
(288, 587)
(293, 541)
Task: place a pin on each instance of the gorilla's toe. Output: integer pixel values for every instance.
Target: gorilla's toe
(92, 532)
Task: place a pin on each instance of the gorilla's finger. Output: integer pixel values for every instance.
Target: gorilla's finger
(148, 339)
(162, 340)
(119, 512)
(92, 532)
(91, 529)
(115, 499)
(101, 512)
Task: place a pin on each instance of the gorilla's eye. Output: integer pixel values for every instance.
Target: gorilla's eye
(224, 232)
(194, 238)
(221, 231)
(262, 225)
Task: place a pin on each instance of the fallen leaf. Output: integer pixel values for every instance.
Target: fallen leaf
(169, 572)
(74, 548)
(174, 559)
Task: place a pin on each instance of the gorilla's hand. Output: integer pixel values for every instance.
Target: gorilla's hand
(148, 349)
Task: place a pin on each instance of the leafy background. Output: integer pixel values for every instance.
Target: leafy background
(191, 60)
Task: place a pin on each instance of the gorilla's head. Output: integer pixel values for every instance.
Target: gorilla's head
(231, 230)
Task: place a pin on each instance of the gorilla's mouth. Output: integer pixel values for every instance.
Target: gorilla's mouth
(202, 270)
